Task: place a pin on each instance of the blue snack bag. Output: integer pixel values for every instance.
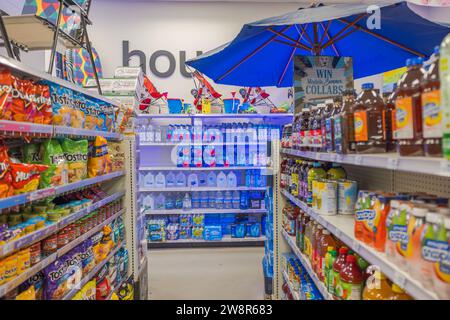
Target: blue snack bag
(62, 104)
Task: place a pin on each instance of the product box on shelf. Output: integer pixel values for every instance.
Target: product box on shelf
(127, 72)
(116, 86)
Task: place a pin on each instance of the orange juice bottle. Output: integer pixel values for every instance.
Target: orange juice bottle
(378, 231)
(377, 287)
(326, 244)
(398, 293)
(441, 274)
(416, 225)
(316, 248)
(351, 279)
(338, 264)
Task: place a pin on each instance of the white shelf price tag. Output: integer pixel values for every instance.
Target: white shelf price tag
(393, 163)
(358, 160)
(445, 166)
(400, 279)
(356, 246)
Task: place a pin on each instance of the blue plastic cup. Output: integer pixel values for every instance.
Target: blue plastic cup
(231, 105)
(175, 105)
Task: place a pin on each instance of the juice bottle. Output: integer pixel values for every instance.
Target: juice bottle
(315, 173)
(369, 121)
(312, 126)
(378, 230)
(441, 275)
(408, 111)
(326, 118)
(302, 230)
(310, 248)
(329, 123)
(283, 170)
(415, 229)
(364, 213)
(294, 183)
(389, 120)
(432, 109)
(344, 127)
(300, 179)
(398, 293)
(328, 272)
(377, 287)
(400, 233)
(304, 129)
(336, 172)
(444, 72)
(291, 221)
(351, 279)
(295, 133)
(304, 182)
(316, 248)
(326, 245)
(307, 237)
(337, 266)
(298, 227)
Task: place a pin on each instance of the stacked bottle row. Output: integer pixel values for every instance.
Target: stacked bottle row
(248, 178)
(240, 200)
(322, 186)
(230, 144)
(344, 274)
(411, 120)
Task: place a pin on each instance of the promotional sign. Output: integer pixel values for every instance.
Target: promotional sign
(320, 78)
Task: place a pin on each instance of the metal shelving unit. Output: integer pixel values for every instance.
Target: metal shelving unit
(205, 211)
(193, 189)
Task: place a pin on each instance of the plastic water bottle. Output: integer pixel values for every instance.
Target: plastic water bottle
(256, 178)
(149, 180)
(179, 200)
(241, 145)
(195, 200)
(148, 204)
(160, 202)
(192, 180)
(219, 200)
(169, 133)
(231, 180)
(142, 132)
(203, 199)
(236, 199)
(221, 180)
(170, 180)
(243, 205)
(202, 179)
(157, 134)
(211, 199)
(228, 202)
(212, 179)
(187, 204)
(169, 202)
(160, 180)
(249, 178)
(149, 134)
(180, 179)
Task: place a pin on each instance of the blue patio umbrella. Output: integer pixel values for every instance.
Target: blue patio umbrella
(262, 53)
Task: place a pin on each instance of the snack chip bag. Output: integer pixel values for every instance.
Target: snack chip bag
(126, 290)
(6, 89)
(87, 256)
(107, 116)
(123, 118)
(88, 292)
(37, 282)
(28, 294)
(103, 286)
(102, 248)
(78, 116)
(117, 156)
(20, 109)
(26, 177)
(62, 100)
(53, 156)
(6, 189)
(91, 112)
(76, 156)
(32, 153)
(42, 105)
(97, 161)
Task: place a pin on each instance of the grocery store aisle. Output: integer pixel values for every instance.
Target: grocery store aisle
(206, 273)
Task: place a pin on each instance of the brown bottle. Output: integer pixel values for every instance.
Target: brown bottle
(408, 111)
(344, 132)
(389, 120)
(432, 109)
(369, 121)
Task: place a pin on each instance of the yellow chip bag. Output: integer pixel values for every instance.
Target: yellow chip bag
(97, 157)
(28, 294)
(88, 291)
(76, 155)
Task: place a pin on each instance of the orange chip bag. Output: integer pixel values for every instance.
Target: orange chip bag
(6, 189)
(42, 105)
(98, 162)
(26, 177)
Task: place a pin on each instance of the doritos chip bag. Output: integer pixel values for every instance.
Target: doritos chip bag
(26, 177)
(97, 161)
(6, 189)
(76, 155)
(53, 156)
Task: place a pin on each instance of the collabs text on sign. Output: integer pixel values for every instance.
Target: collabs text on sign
(152, 62)
(321, 82)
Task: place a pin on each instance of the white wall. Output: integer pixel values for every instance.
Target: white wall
(173, 26)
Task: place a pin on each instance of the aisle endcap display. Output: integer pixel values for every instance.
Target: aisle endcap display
(391, 161)
(342, 226)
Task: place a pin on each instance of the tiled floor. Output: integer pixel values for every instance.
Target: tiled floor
(206, 273)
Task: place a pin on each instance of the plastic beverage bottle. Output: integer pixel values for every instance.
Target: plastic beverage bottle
(390, 120)
(141, 132)
(149, 134)
(304, 182)
(318, 137)
(212, 179)
(391, 240)
(180, 179)
(170, 180)
(329, 125)
(344, 130)
(228, 201)
(221, 180)
(432, 109)
(187, 204)
(283, 169)
(325, 242)
(336, 172)
(351, 279)
(219, 200)
(408, 111)
(294, 175)
(304, 129)
(315, 173)
(337, 266)
(326, 118)
(202, 179)
(211, 199)
(296, 133)
(195, 200)
(148, 204)
(192, 180)
(243, 202)
(369, 121)
(179, 200)
(444, 72)
(398, 293)
(169, 203)
(236, 199)
(160, 202)
(416, 225)
(377, 287)
(328, 271)
(231, 180)
(149, 180)
(160, 180)
(441, 275)
(312, 127)
(316, 248)
(158, 134)
(204, 199)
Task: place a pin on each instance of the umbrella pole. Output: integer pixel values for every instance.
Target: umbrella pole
(316, 45)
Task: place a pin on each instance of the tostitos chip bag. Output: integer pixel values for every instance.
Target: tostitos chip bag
(62, 100)
(6, 189)
(78, 116)
(76, 155)
(53, 156)
(97, 161)
(26, 177)
(91, 112)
